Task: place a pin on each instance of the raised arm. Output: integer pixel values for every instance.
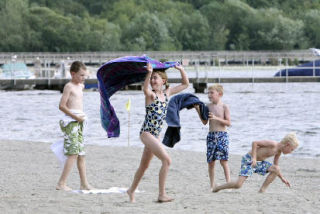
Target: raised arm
(184, 82)
(146, 89)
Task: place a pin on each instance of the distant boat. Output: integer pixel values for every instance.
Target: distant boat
(315, 51)
(16, 70)
(307, 69)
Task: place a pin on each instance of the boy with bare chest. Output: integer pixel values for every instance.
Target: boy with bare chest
(71, 104)
(254, 162)
(217, 138)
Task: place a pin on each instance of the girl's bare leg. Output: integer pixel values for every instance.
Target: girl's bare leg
(211, 174)
(231, 185)
(158, 150)
(225, 166)
(144, 164)
(65, 173)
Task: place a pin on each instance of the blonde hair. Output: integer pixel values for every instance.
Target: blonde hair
(292, 139)
(163, 75)
(216, 87)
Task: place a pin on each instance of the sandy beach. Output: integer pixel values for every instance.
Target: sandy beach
(30, 171)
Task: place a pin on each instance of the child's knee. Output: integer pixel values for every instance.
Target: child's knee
(145, 166)
(73, 157)
(167, 161)
(275, 169)
(211, 164)
(223, 162)
(238, 185)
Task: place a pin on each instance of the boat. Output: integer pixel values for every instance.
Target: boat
(16, 70)
(306, 69)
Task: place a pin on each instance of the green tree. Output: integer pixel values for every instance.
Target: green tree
(13, 28)
(311, 27)
(218, 25)
(194, 32)
(270, 30)
(146, 32)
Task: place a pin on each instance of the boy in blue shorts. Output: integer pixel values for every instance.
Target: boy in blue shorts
(217, 139)
(254, 162)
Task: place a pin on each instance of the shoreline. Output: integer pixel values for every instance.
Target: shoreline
(30, 172)
(167, 148)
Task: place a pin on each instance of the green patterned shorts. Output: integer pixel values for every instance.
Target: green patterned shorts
(73, 138)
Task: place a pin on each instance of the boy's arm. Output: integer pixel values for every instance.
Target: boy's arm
(226, 120)
(198, 110)
(63, 104)
(276, 162)
(184, 82)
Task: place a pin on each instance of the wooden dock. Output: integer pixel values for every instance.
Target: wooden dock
(199, 84)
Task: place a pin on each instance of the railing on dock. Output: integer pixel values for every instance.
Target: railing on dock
(203, 67)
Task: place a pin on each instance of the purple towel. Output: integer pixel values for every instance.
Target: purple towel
(115, 75)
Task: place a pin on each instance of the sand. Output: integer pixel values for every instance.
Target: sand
(29, 172)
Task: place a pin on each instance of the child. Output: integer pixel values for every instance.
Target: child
(254, 161)
(71, 104)
(156, 108)
(217, 139)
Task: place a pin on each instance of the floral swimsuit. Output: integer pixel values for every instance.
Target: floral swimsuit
(155, 114)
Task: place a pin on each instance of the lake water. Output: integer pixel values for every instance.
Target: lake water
(258, 111)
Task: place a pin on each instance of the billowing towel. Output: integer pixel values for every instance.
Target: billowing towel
(176, 104)
(115, 75)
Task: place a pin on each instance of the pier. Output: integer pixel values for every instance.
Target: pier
(199, 84)
(186, 57)
(50, 69)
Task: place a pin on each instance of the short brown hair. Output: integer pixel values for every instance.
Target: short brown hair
(76, 66)
(217, 87)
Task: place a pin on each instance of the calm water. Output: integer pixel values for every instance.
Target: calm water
(258, 111)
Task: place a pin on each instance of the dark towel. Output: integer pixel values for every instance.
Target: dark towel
(116, 74)
(177, 103)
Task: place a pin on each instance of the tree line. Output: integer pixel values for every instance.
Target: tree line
(162, 25)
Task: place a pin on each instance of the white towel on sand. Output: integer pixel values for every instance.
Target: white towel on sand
(104, 191)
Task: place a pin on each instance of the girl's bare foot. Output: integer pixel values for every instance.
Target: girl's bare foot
(262, 190)
(63, 187)
(86, 187)
(131, 196)
(163, 199)
(212, 187)
(215, 189)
